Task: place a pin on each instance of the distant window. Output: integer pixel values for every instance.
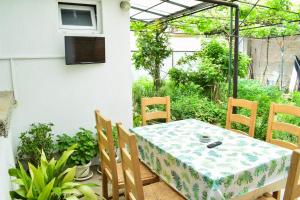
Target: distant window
(81, 17)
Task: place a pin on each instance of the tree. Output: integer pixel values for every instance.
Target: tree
(153, 47)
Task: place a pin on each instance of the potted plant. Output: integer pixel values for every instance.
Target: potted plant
(38, 137)
(50, 180)
(85, 151)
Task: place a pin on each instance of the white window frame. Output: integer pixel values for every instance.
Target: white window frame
(78, 7)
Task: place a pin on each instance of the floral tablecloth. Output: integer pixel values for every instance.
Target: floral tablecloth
(240, 165)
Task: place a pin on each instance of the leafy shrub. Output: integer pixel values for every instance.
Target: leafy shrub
(185, 107)
(211, 67)
(50, 180)
(187, 101)
(296, 98)
(254, 91)
(142, 88)
(32, 142)
(86, 147)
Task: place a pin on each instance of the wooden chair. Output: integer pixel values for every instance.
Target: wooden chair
(292, 189)
(133, 184)
(111, 170)
(282, 126)
(248, 121)
(146, 116)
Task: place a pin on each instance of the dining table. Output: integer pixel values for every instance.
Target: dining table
(240, 167)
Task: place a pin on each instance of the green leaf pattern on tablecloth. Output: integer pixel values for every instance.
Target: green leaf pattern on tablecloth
(240, 165)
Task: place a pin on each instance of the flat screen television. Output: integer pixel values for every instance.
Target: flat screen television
(84, 50)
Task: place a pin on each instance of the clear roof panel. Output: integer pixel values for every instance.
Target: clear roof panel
(144, 3)
(144, 16)
(187, 2)
(150, 10)
(166, 8)
(134, 12)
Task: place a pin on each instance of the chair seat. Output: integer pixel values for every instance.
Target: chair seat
(147, 175)
(160, 191)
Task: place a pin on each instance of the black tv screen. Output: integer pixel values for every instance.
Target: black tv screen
(84, 50)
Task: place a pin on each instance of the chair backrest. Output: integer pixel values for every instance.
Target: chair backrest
(292, 190)
(146, 116)
(130, 164)
(274, 125)
(106, 148)
(238, 118)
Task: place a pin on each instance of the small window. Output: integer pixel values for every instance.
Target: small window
(80, 17)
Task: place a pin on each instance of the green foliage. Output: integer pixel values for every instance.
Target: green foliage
(32, 142)
(85, 150)
(212, 67)
(256, 21)
(187, 102)
(50, 180)
(152, 45)
(254, 91)
(142, 88)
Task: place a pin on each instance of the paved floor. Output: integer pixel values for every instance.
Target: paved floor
(97, 179)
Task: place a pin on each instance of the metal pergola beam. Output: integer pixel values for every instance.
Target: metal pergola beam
(188, 11)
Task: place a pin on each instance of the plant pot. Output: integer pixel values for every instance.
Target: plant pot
(83, 171)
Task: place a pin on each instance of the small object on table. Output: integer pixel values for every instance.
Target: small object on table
(212, 145)
(204, 138)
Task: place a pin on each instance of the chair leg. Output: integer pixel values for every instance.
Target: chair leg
(104, 186)
(115, 192)
(277, 195)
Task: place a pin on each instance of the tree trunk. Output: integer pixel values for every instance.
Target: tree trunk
(157, 81)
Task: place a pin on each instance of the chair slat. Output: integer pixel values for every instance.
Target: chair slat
(274, 125)
(240, 119)
(155, 101)
(284, 144)
(156, 115)
(105, 158)
(130, 180)
(146, 116)
(127, 158)
(285, 127)
(242, 103)
(287, 109)
(103, 139)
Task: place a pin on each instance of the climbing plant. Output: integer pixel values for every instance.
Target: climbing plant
(271, 18)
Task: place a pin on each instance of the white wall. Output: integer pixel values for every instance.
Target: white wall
(46, 89)
(7, 162)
